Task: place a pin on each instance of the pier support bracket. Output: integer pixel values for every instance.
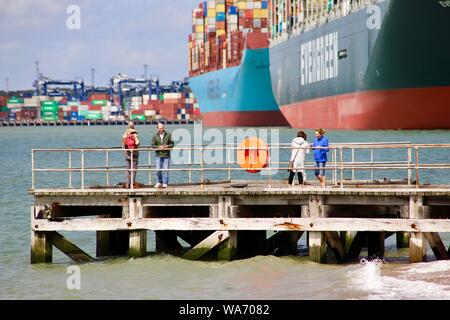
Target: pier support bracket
(70, 249)
(436, 245)
(206, 245)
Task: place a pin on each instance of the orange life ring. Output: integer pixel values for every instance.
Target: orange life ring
(253, 155)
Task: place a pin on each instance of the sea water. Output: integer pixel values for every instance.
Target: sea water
(164, 276)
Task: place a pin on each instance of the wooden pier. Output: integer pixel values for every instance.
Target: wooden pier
(239, 219)
(227, 216)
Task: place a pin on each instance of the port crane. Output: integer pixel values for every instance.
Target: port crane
(44, 87)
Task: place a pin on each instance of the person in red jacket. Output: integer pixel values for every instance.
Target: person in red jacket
(130, 141)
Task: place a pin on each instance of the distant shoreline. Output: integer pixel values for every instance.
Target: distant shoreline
(80, 123)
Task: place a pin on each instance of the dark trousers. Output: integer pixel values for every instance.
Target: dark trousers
(292, 175)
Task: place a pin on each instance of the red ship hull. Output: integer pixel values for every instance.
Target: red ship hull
(419, 108)
(244, 119)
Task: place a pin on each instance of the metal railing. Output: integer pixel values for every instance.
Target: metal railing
(200, 165)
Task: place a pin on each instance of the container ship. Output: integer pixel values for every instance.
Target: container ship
(229, 64)
(363, 65)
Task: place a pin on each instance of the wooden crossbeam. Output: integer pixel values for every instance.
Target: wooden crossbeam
(225, 224)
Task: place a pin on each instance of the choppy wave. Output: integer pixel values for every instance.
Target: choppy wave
(368, 279)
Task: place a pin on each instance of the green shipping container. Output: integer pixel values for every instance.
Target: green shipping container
(48, 108)
(4, 109)
(94, 116)
(140, 117)
(47, 118)
(50, 103)
(49, 111)
(99, 102)
(15, 100)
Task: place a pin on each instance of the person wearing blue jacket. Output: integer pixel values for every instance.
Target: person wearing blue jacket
(320, 155)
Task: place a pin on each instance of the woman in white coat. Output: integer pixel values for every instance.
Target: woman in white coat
(299, 147)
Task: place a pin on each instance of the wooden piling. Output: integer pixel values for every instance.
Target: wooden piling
(138, 238)
(103, 247)
(227, 250)
(334, 243)
(402, 240)
(41, 247)
(375, 244)
(417, 242)
(317, 243)
(347, 238)
(358, 244)
(284, 243)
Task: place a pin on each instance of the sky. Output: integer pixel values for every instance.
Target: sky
(115, 36)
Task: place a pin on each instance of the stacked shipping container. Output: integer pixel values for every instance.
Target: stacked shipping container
(285, 14)
(219, 28)
(168, 106)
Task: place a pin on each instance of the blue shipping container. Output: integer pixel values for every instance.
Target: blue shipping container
(264, 4)
(232, 10)
(220, 16)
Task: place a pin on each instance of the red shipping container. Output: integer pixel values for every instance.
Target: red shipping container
(248, 23)
(74, 108)
(4, 115)
(248, 13)
(3, 102)
(99, 96)
(95, 108)
(84, 103)
(264, 23)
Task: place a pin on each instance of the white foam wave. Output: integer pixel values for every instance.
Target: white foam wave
(367, 278)
(430, 267)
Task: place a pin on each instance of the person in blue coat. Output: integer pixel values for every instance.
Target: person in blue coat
(320, 155)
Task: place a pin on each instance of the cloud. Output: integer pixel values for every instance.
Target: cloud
(115, 36)
(27, 14)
